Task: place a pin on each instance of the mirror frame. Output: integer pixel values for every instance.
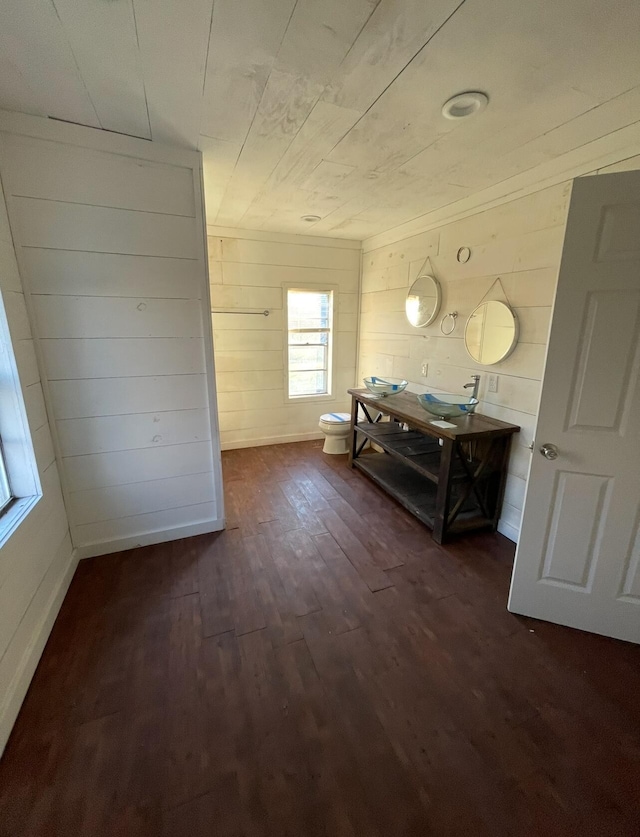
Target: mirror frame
(516, 332)
(436, 308)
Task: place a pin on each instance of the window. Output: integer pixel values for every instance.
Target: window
(20, 487)
(310, 342)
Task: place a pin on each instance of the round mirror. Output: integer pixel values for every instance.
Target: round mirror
(491, 332)
(423, 301)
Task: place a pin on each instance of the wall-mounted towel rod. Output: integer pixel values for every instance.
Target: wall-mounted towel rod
(264, 313)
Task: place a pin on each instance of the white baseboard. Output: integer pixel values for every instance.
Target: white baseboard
(92, 550)
(509, 531)
(273, 440)
(33, 651)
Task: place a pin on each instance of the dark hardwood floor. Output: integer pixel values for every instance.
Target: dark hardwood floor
(320, 668)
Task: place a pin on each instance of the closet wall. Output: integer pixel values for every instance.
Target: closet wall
(110, 242)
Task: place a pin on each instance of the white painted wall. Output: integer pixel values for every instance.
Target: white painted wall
(521, 243)
(248, 270)
(37, 562)
(110, 241)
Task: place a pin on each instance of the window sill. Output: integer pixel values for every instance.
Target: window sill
(308, 399)
(15, 516)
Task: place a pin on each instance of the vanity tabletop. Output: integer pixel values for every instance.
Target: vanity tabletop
(405, 406)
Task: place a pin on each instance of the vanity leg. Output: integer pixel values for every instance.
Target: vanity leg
(502, 480)
(443, 497)
(354, 420)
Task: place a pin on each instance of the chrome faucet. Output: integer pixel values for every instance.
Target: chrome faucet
(475, 384)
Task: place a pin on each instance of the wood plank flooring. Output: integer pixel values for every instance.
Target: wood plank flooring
(320, 669)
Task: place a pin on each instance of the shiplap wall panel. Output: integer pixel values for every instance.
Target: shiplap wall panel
(117, 396)
(99, 179)
(112, 248)
(103, 358)
(70, 226)
(247, 361)
(153, 524)
(13, 550)
(74, 273)
(131, 432)
(69, 317)
(20, 584)
(245, 399)
(19, 661)
(519, 243)
(27, 362)
(249, 251)
(16, 309)
(35, 406)
(249, 271)
(235, 296)
(251, 341)
(103, 470)
(43, 447)
(37, 561)
(273, 275)
(253, 381)
(114, 502)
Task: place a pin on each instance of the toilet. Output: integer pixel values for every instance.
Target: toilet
(336, 427)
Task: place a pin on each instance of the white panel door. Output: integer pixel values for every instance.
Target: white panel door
(578, 559)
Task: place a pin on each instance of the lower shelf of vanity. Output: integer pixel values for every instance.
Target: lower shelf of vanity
(450, 477)
(414, 492)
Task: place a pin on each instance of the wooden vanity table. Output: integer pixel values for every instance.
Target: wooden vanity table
(450, 478)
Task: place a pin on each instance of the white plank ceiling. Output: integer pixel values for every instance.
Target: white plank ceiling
(332, 107)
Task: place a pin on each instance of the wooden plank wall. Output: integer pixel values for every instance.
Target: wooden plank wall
(521, 243)
(112, 249)
(37, 562)
(248, 270)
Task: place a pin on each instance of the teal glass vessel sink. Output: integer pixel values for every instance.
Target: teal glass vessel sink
(444, 405)
(385, 386)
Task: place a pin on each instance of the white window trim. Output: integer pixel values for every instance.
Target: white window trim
(19, 455)
(333, 368)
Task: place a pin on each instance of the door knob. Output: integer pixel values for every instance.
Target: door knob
(549, 451)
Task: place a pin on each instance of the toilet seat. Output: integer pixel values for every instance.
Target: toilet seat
(335, 418)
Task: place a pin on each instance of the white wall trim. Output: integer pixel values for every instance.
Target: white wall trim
(283, 238)
(509, 531)
(93, 550)
(31, 656)
(359, 319)
(273, 440)
(207, 330)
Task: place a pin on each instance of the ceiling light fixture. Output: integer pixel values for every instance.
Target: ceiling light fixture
(310, 219)
(465, 105)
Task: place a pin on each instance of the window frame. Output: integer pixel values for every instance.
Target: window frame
(16, 443)
(5, 482)
(315, 287)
